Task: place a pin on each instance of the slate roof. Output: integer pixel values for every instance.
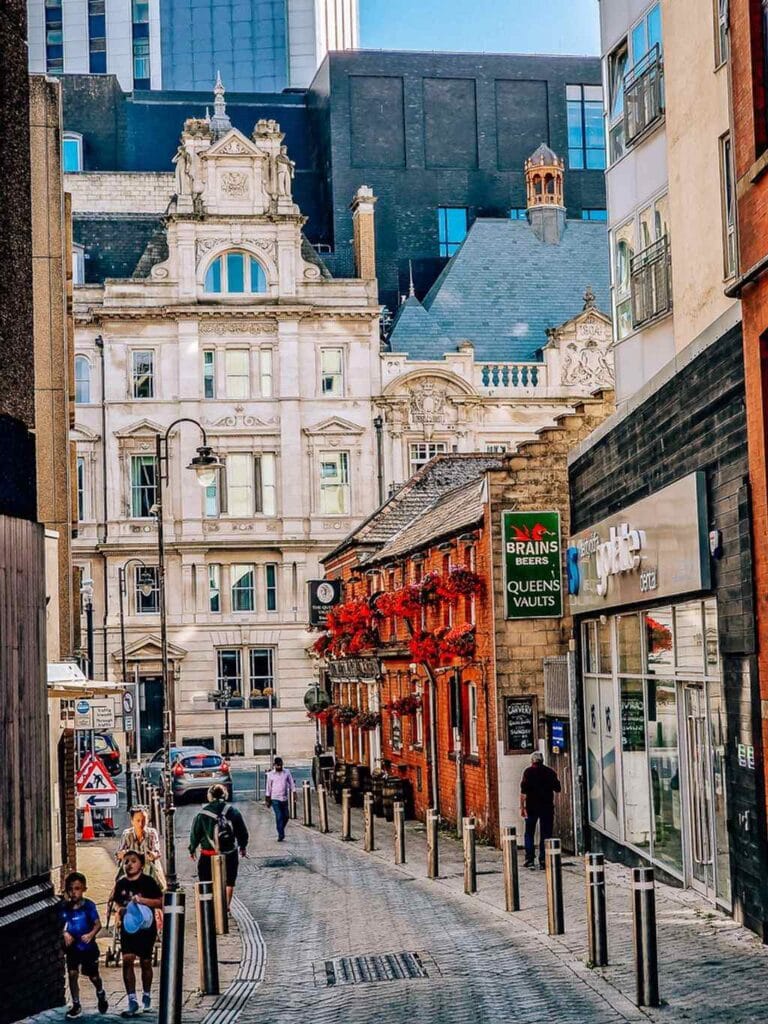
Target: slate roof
(441, 474)
(459, 509)
(503, 289)
(114, 243)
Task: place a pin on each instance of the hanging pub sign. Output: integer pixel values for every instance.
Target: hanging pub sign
(519, 725)
(532, 578)
(323, 595)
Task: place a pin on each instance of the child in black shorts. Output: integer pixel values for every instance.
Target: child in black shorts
(81, 926)
(138, 888)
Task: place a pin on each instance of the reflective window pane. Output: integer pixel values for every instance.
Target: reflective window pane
(594, 756)
(630, 653)
(589, 640)
(609, 725)
(634, 764)
(235, 272)
(664, 763)
(658, 641)
(605, 646)
(689, 638)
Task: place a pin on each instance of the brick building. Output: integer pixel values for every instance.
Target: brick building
(748, 49)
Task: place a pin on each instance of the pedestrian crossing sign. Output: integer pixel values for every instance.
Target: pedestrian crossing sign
(93, 777)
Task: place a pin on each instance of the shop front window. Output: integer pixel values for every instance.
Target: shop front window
(664, 764)
(658, 641)
(634, 764)
(594, 755)
(630, 652)
(608, 729)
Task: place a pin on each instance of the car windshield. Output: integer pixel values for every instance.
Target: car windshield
(201, 761)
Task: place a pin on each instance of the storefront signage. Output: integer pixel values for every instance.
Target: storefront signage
(323, 595)
(98, 714)
(532, 578)
(557, 736)
(655, 548)
(519, 725)
(354, 669)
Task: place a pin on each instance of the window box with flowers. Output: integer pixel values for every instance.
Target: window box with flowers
(344, 714)
(367, 720)
(408, 705)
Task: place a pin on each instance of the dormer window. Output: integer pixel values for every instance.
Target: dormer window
(235, 273)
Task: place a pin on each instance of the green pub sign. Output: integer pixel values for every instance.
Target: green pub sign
(532, 578)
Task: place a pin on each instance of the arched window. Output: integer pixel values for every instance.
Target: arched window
(82, 380)
(235, 273)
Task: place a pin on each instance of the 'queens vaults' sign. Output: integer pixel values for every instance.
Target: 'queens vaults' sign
(532, 578)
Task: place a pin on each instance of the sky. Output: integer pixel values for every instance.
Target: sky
(493, 26)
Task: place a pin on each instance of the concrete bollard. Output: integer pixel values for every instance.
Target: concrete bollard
(172, 962)
(219, 879)
(470, 856)
(644, 927)
(322, 809)
(511, 876)
(207, 954)
(553, 860)
(368, 821)
(433, 855)
(399, 819)
(306, 802)
(346, 814)
(292, 808)
(597, 931)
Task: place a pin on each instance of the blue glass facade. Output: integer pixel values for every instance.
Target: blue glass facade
(246, 40)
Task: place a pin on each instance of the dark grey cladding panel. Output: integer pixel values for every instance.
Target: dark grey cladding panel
(522, 120)
(450, 122)
(376, 121)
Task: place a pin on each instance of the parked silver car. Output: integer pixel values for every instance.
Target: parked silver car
(194, 769)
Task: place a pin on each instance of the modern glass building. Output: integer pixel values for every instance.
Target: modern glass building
(257, 45)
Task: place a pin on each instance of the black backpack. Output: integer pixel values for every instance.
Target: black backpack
(223, 832)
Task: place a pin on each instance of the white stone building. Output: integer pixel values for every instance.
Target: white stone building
(232, 320)
(235, 324)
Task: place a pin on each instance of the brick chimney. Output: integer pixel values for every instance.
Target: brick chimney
(364, 235)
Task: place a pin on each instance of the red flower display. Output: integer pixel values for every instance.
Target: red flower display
(424, 647)
(460, 582)
(458, 642)
(367, 720)
(407, 705)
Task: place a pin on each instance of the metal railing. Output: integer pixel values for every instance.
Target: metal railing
(651, 282)
(643, 94)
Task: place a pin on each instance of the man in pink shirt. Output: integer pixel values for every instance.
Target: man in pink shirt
(280, 785)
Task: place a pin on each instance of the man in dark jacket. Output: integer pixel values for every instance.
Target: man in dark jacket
(218, 828)
(537, 805)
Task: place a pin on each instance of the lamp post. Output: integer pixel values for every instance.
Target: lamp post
(145, 587)
(206, 466)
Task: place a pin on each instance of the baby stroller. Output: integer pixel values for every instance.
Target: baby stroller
(114, 955)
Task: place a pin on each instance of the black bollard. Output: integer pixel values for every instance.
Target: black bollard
(207, 954)
(555, 917)
(172, 963)
(306, 800)
(597, 931)
(511, 877)
(644, 926)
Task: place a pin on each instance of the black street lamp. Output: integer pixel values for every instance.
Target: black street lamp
(146, 586)
(206, 466)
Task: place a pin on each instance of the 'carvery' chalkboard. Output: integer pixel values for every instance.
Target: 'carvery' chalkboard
(519, 724)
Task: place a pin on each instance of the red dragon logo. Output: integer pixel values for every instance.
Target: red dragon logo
(536, 532)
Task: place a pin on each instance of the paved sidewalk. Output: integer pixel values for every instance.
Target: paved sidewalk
(710, 968)
(96, 861)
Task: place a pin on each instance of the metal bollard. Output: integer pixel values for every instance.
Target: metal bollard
(470, 856)
(399, 818)
(433, 856)
(141, 791)
(220, 910)
(292, 809)
(346, 814)
(554, 856)
(597, 931)
(207, 955)
(322, 808)
(511, 877)
(172, 962)
(644, 928)
(306, 800)
(157, 810)
(368, 820)
(153, 806)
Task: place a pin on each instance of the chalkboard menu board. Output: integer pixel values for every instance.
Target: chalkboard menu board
(519, 724)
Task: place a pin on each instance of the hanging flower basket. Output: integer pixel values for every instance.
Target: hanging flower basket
(460, 582)
(424, 647)
(344, 714)
(407, 705)
(367, 720)
(323, 716)
(430, 589)
(320, 647)
(458, 642)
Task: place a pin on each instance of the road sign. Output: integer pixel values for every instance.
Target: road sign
(93, 778)
(127, 703)
(128, 723)
(95, 714)
(96, 800)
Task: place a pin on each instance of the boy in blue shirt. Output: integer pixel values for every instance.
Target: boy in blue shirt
(81, 926)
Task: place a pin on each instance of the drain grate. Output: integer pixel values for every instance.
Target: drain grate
(370, 969)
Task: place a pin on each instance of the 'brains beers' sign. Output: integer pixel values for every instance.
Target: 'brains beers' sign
(532, 580)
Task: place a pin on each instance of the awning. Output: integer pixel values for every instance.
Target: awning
(67, 681)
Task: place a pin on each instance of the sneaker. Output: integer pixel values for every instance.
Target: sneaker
(103, 1001)
(529, 864)
(134, 1010)
(542, 866)
(146, 1001)
(75, 1011)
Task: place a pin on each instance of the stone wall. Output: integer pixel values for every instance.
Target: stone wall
(120, 192)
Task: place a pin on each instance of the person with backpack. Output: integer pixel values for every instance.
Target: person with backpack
(218, 828)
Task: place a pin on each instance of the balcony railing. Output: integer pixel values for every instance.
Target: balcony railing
(651, 283)
(643, 95)
(511, 375)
